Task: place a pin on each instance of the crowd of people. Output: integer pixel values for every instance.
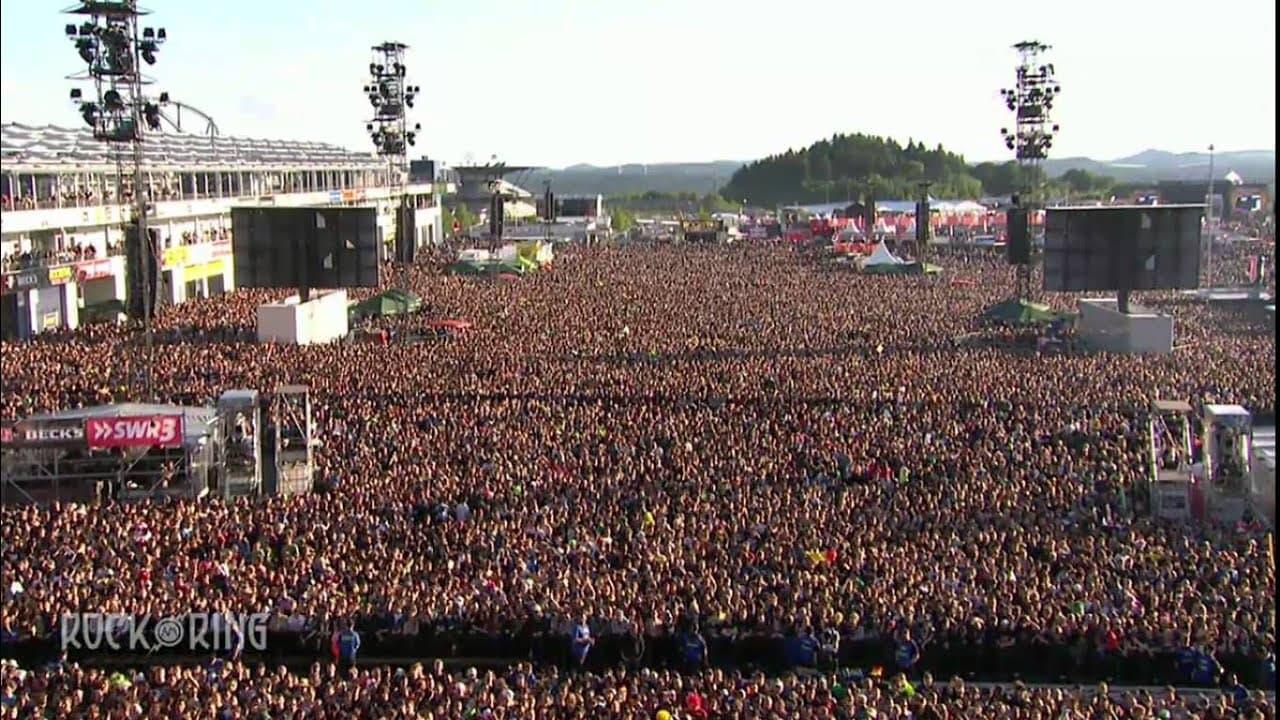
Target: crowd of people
(229, 691)
(71, 253)
(650, 440)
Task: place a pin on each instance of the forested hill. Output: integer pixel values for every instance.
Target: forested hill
(853, 167)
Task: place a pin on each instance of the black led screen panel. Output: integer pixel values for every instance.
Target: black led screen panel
(1150, 247)
(1018, 248)
(320, 248)
(576, 207)
(406, 234)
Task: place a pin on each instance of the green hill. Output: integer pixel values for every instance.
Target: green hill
(851, 167)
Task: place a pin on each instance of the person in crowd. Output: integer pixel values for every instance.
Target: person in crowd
(345, 645)
(580, 642)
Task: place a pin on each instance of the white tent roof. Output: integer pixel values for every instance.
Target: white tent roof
(881, 256)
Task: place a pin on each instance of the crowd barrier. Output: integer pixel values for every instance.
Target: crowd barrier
(980, 662)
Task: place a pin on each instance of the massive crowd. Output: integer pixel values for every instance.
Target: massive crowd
(649, 439)
(228, 691)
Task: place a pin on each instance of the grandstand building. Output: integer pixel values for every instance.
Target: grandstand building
(66, 200)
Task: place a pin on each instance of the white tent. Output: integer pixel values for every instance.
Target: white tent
(881, 256)
(475, 255)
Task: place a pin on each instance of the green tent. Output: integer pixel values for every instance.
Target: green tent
(1021, 312)
(468, 267)
(391, 302)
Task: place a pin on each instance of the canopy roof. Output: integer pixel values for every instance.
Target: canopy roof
(53, 146)
(391, 302)
(1021, 312)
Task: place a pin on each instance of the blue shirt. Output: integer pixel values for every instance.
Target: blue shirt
(1204, 669)
(907, 654)
(694, 648)
(347, 643)
(581, 641)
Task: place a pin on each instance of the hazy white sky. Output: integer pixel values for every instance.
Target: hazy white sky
(556, 82)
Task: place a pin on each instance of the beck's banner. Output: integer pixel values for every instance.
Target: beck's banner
(136, 431)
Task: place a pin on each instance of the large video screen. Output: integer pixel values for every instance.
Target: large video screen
(1152, 247)
(320, 248)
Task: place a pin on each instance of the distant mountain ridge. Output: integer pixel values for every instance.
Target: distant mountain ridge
(634, 178)
(1255, 166)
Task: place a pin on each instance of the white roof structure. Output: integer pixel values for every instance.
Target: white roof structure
(50, 147)
(896, 207)
(881, 256)
(1225, 410)
(1264, 445)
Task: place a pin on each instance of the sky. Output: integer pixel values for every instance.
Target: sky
(560, 82)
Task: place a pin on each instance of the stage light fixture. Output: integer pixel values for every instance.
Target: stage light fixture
(1031, 100)
(107, 36)
(151, 112)
(86, 50)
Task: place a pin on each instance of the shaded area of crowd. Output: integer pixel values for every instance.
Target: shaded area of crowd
(228, 691)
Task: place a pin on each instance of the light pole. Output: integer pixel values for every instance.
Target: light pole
(1031, 101)
(1210, 226)
(391, 96)
(114, 48)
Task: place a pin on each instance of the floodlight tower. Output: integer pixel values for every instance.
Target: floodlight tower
(1031, 100)
(391, 97)
(113, 46)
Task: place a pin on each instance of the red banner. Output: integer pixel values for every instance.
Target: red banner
(93, 270)
(142, 431)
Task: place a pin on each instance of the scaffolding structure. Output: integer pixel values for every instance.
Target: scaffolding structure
(1031, 100)
(291, 421)
(240, 419)
(391, 96)
(48, 458)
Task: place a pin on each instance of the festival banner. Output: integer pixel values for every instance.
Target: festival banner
(93, 270)
(136, 431)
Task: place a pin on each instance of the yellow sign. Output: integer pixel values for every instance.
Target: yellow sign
(209, 269)
(174, 257)
(61, 275)
(50, 320)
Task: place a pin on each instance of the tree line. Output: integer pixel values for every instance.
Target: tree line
(851, 168)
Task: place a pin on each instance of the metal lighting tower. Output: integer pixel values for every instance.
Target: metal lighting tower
(1210, 226)
(113, 47)
(1031, 100)
(391, 97)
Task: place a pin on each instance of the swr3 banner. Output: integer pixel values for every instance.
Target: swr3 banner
(138, 431)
